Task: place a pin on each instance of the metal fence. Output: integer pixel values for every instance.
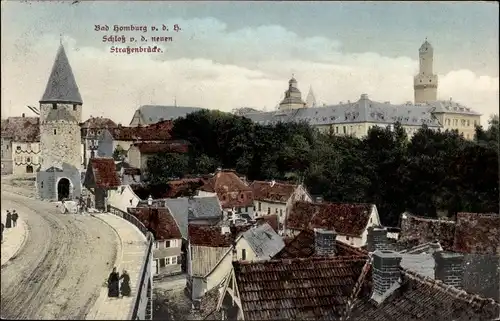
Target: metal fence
(149, 236)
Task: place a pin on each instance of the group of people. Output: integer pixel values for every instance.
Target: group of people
(114, 288)
(10, 221)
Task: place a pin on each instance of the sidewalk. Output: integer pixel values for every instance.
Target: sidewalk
(13, 238)
(133, 245)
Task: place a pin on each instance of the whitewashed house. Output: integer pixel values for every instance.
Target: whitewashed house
(349, 221)
(276, 198)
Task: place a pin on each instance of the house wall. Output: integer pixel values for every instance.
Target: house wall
(120, 198)
(373, 221)
(360, 130)
(270, 208)
(167, 257)
(6, 159)
(203, 193)
(25, 155)
(134, 157)
(464, 123)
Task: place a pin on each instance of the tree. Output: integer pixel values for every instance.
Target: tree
(164, 167)
(119, 153)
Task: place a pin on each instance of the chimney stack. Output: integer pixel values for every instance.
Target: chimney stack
(386, 271)
(377, 239)
(324, 242)
(449, 268)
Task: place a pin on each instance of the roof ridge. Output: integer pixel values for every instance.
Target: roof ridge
(460, 294)
(351, 258)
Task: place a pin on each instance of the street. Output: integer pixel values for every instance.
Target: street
(60, 270)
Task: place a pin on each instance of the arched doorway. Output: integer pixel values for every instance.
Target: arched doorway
(29, 169)
(63, 189)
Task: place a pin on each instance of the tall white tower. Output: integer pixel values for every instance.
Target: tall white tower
(293, 97)
(60, 136)
(425, 83)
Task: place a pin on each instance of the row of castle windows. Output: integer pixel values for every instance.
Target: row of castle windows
(463, 122)
(24, 159)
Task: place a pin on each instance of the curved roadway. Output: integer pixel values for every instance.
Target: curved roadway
(60, 270)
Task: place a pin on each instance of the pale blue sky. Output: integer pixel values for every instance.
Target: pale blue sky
(316, 40)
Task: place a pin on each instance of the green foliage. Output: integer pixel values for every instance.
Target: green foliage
(119, 153)
(430, 174)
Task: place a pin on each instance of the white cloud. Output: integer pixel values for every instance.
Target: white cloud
(225, 70)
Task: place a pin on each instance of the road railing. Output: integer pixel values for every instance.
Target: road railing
(146, 261)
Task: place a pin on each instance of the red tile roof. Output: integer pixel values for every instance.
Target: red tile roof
(155, 132)
(231, 190)
(21, 129)
(183, 187)
(272, 220)
(158, 220)
(296, 289)
(272, 191)
(427, 230)
(421, 298)
(345, 219)
(211, 235)
(302, 246)
(167, 147)
(477, 233)
(98, 123)
(104, 171)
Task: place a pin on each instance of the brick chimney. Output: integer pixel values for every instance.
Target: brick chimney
(325, 242)
(377, 239)
(449, 268)
(386, 271)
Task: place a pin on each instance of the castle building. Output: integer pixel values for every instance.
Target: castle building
(356, 118)
(59, 176)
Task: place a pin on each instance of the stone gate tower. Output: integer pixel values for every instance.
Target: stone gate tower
(425, 83)
(60, 137)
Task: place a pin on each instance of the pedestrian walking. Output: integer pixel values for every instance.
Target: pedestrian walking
(8, 220)
(1, 233)
(114, 284)
(15, 216)
(125, 286)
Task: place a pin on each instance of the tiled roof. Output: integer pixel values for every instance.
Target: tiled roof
(183, 187)
(363, 110)
(423, 230)
(61, 86)
(296, 289)
(231, 190)
(272, 191)
(104, 171)
(170, 147)
(211, 235)
(98, 122)
(302, 246)
(477, 233)
(264, 241)
(156, 113)
(158, 220)
(421, 298)
(345, 219)
(272, 220)
(21, 129)
(156, 132)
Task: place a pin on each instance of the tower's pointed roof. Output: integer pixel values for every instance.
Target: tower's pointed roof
(425, 46)
(311, 99)
(61, 87)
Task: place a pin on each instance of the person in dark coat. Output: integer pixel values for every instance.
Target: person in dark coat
(125, 286)
(114, 284)
(15, 216)
(1, 233)
(8, 221)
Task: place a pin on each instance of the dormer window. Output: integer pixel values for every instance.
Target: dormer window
(54, 106)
